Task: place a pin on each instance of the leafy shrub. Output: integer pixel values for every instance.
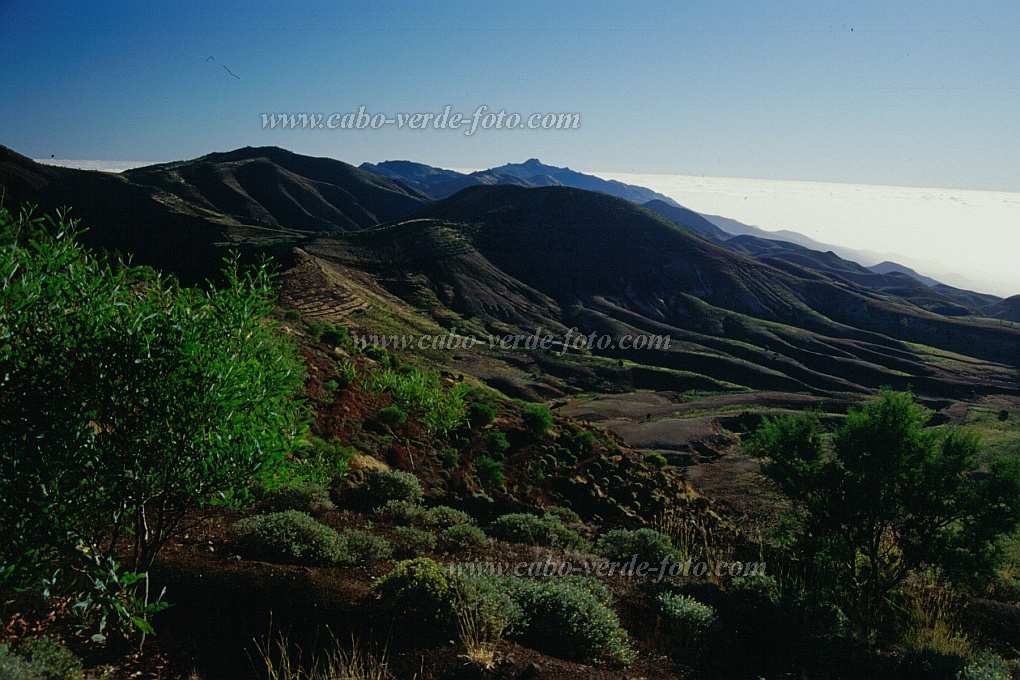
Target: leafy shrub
(322, 462)
(656, 460)
(496, 441)
(411, 541)
(489, 471)
(289, 536)
(39, 659)
(420, 393)
(376, 353)
(392, 485)
(444, 516)
(761, 584)
(109, 368)
(566, 516)
(307, 497)
(449, 458)
(622, 544)
(487, 607)
(685, 617)
(334, 336)
(401, 512)
(422, 593)
(391, 416)
(537, 419)
(365, 547)
(462, 537)
(292, 315)
(585, 439)
(987, 665)
(528, 528)
(564, 618)
(480, 415)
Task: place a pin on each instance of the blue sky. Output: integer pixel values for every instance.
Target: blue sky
(896, 93)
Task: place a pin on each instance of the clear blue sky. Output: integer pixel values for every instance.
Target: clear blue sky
(902, 93)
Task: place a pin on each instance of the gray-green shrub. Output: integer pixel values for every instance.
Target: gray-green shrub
(462, 537)
(443, 516)
(621, 545)
(392, 485)
(289, 536)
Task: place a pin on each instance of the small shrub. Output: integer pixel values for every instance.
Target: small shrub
(496, 442)
(421, 593)
(761, 584)
(308, 497)
(449, 458)
(381, 487)
(289, 536)
(987, 665)
(462, 537)
(365, 547)
(489, 472)
(656, 460)
(334, 336)
(391, 416)
(585, 439)
(685, 620)
(528, 528)
(443, 516)
(564, 618)
(566, 516)
(376, 353)
(480, 415)
(39, 659)
(622, 544)
(412, 541)
(292, 315)
(537, 419)
(401, 512)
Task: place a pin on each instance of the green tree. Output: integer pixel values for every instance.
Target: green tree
(126, 402)
(892, 497)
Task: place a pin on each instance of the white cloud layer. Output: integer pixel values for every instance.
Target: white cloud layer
(943, 233)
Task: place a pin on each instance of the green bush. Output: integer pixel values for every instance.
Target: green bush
(449, 458)
(620, 545)
(289, 536)
(323, 462)
(684, 617)
(365, 547)
(376, 353)
(411, 541)
(565, 618)
(292, 315)
(128, 401)
(480, 415)
(566, 516)
(334, 336)
(489, 472)
(537, 419)
(462, 537)
(585, 439)
(656, 460)
(401, 512)
(391, 416)
(443, 516)
(534, 530)
(496, 442)
(392, 485)
(39, 659)
(307, 497)
(421, 593)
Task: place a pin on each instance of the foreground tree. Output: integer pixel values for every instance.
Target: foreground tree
(126, 402)
(891, 498)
